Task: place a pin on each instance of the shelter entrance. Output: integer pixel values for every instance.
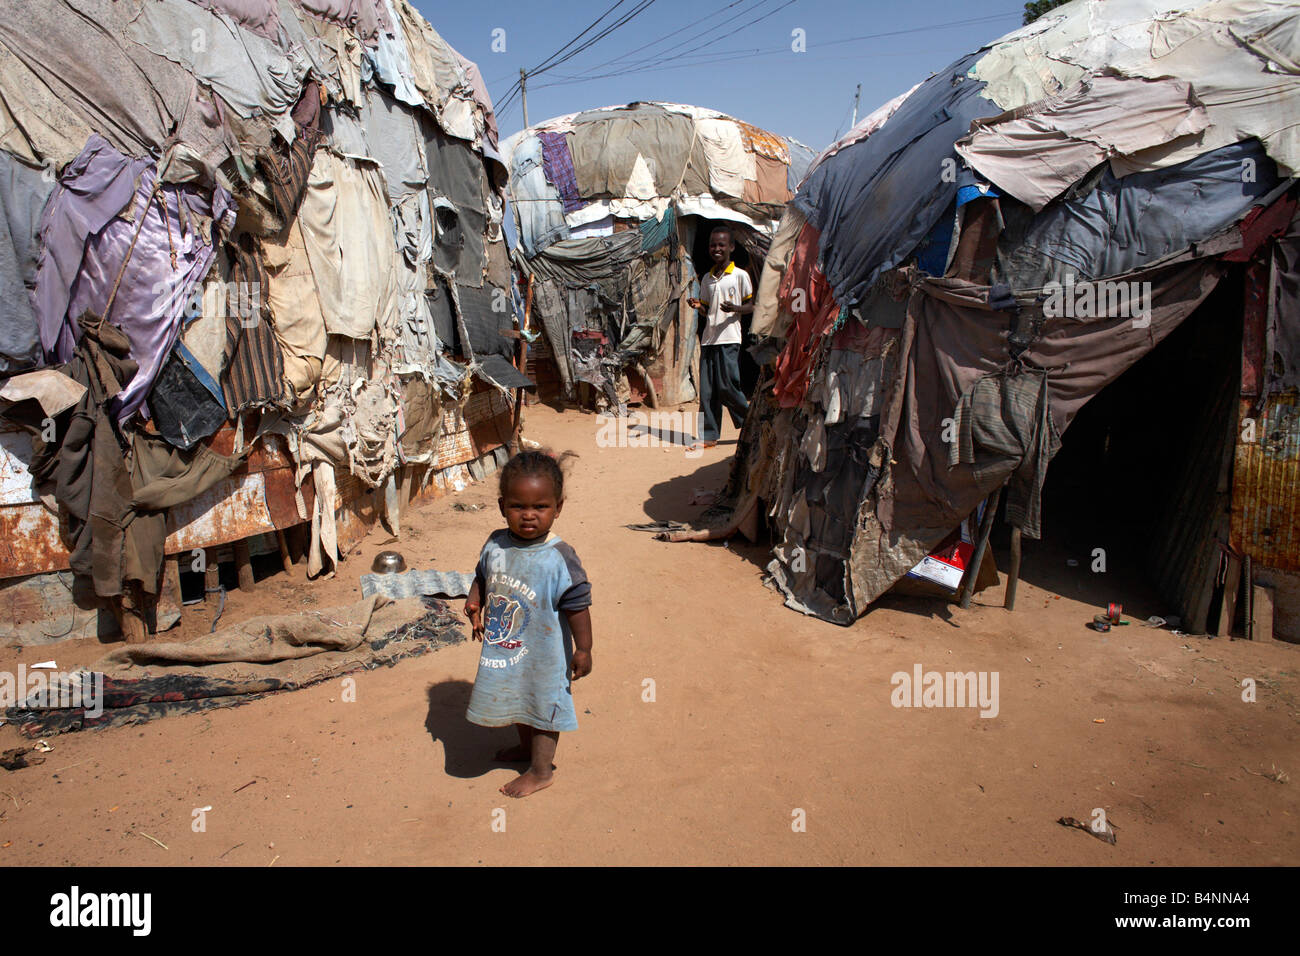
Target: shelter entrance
(1141, 481)
(748, 255)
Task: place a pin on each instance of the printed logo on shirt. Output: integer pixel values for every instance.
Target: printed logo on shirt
(505, 617)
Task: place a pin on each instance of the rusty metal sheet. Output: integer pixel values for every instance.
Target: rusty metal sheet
(1266, 485)
(258, 498)
(271, 452)
(282, 499)
(29, 541)
(231, 510)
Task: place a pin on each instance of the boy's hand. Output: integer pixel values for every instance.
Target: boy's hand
(581, 664)
(474, 611)
(695, 303)
(728, 307)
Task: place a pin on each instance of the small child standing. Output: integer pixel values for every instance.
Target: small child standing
(529, 605)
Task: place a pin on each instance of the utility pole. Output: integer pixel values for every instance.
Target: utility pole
(856, 96)
(523, 90)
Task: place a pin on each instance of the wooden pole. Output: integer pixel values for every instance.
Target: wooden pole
(523, 360)
(523, 92)
(172, 577)
(243, 565)
(211, 573)
(130, 614)
(286, 560)
(1013, 577)
(977, 557)
(1250, 602)
(1231, 587)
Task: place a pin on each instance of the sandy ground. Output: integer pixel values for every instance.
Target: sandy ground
(760, 719)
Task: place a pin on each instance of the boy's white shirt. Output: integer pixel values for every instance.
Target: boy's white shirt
(733, 286)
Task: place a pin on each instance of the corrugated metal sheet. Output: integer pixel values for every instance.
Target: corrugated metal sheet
(1266, 486)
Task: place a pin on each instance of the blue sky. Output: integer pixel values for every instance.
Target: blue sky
(739, 60)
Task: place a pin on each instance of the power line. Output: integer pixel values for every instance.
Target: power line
(669, 36)
(694, 51)
(588, 29)
(556, 59)
(687, 54)
(692, 58)
(723, 56)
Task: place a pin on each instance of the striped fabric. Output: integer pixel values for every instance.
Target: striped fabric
(558, 164)
(254, 372)
(286, 173)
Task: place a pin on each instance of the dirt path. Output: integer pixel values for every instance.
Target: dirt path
(758, 713)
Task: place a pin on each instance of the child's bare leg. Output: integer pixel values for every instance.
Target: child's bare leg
(522, 751)
(540, 774)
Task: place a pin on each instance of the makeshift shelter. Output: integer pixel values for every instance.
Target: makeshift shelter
(254, 280)
(960, 277)
(614, 208)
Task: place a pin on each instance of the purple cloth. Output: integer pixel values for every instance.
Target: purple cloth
(86, 230)
(558, 164)
(256, 16)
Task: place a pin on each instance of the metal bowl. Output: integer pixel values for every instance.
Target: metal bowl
(388, 562)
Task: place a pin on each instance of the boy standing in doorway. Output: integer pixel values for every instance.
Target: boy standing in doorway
(726, 294)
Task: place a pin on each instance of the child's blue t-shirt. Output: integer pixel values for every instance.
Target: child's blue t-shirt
(524, 667)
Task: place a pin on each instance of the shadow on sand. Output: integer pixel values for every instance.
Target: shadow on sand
(468, 747)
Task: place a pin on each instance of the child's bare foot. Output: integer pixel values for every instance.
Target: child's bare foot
(530, 781)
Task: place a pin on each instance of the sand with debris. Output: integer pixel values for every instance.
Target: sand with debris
(717, 726)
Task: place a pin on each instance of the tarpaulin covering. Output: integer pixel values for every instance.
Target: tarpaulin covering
(1112, 158)
(160, 240)
(580, 183)
(242, 205)
(23, 194)
(872, 206)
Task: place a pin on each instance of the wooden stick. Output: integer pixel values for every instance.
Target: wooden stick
(1013, 577)
(977, 558)
(148, 837)
(1231, 586)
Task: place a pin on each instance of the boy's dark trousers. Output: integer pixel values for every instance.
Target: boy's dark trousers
(720, 385)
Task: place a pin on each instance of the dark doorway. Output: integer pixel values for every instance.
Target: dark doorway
(1140, 473)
